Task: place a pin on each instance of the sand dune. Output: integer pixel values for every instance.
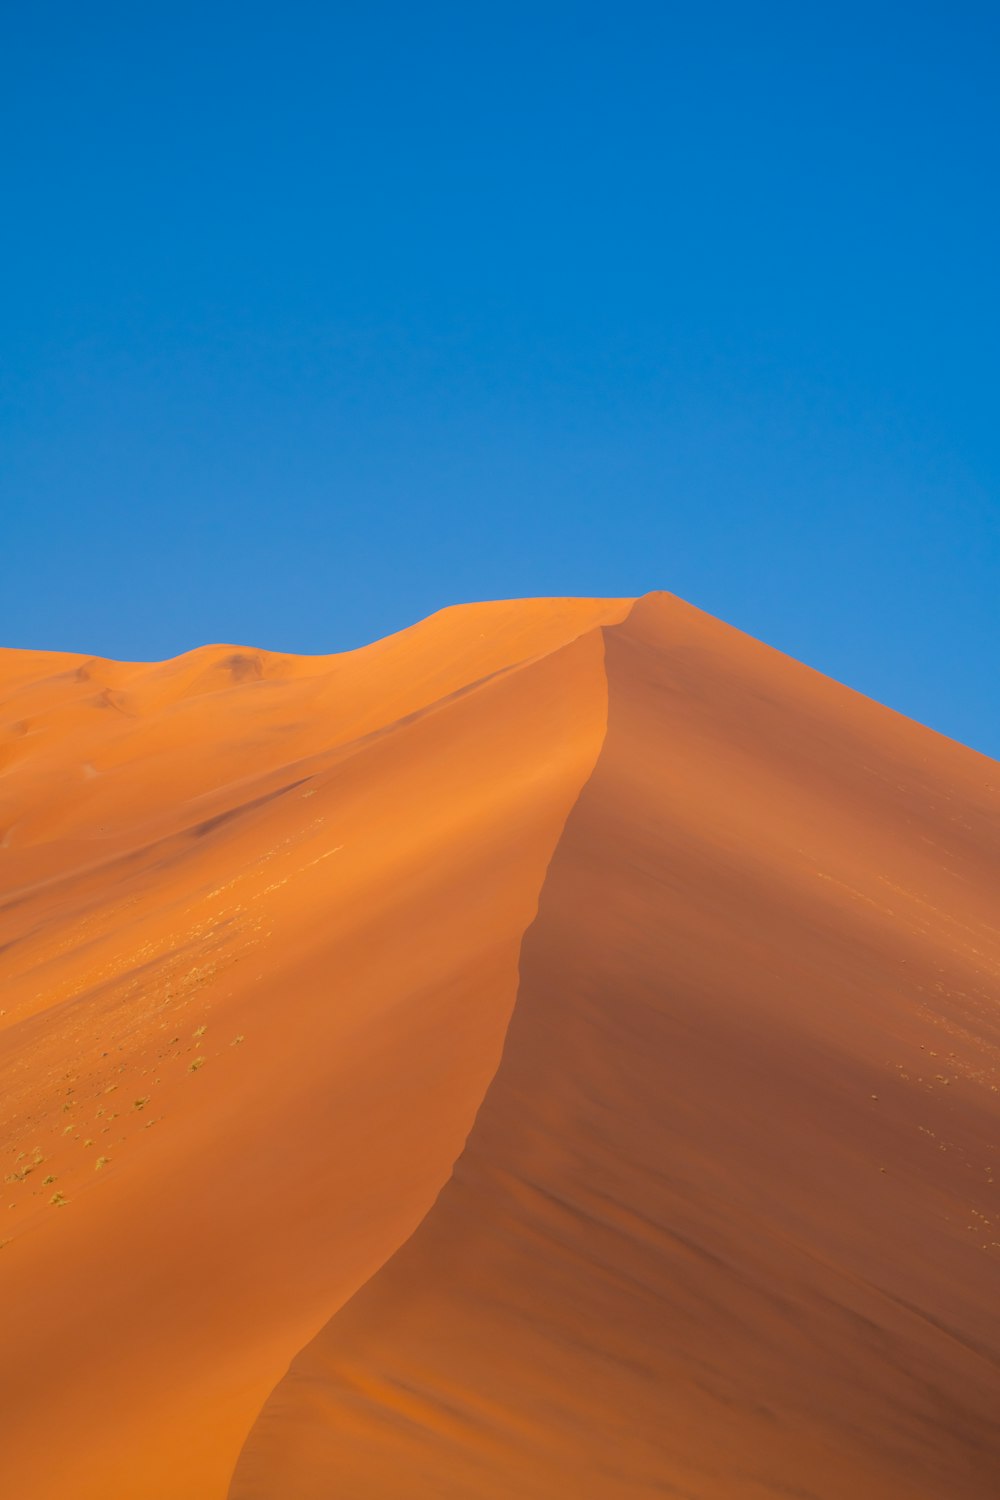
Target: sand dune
(563, 1037)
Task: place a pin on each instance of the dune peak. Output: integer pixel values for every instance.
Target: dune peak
(552, 1049)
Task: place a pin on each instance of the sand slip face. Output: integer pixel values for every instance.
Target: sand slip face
(260, 920)
(726, 1226)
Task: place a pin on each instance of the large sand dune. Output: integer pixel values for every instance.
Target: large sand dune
(554, 1051)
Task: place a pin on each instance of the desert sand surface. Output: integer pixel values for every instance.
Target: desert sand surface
(553, 1051)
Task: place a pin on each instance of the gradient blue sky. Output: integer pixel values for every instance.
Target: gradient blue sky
(318, 317)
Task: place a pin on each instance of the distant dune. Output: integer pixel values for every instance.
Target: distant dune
(551, 1052)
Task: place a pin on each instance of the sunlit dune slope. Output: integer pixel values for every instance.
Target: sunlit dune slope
(727, 1224)
(260, 919)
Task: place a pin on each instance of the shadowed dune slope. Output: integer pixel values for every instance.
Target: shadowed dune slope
(260, 919)
(726, 1226)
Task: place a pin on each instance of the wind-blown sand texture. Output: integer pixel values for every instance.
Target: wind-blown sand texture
(550, 1052)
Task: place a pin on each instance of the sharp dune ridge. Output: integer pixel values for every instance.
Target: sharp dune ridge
(555, 1049)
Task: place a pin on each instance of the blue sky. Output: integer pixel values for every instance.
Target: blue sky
(318, 317)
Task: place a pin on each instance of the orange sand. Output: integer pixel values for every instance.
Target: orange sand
(725, 1226)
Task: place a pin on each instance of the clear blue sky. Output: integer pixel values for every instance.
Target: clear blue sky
(318, 317)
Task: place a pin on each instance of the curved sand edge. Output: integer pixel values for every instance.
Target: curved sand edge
(724, 1225)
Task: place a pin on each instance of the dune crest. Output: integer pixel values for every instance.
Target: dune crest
(726, 1224)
